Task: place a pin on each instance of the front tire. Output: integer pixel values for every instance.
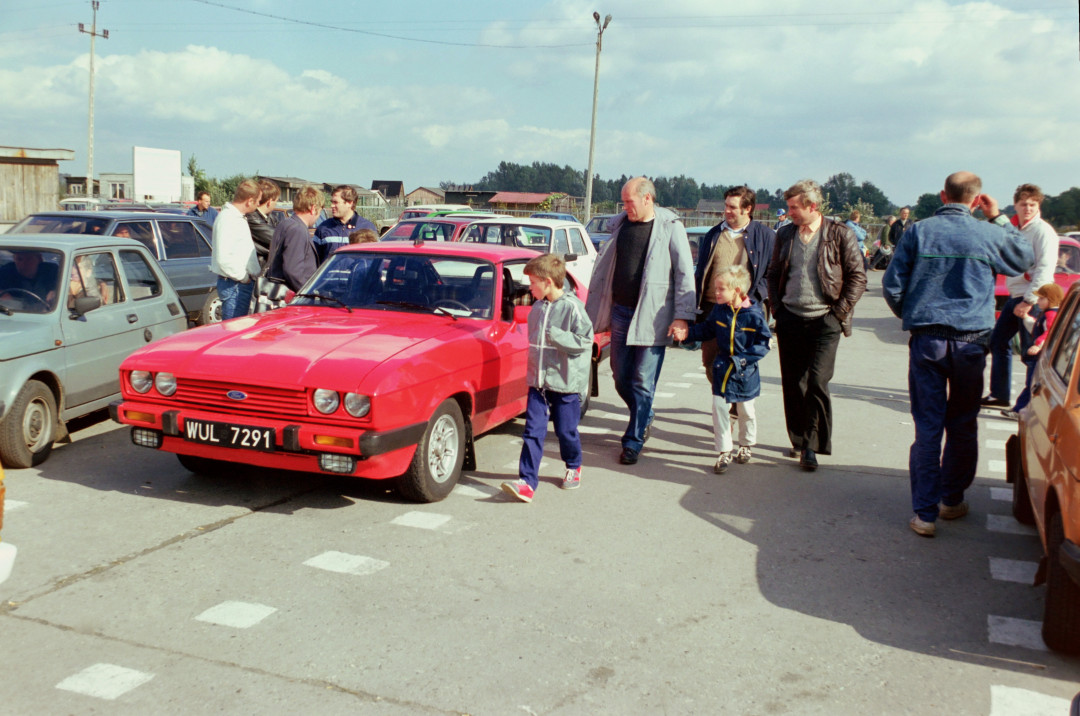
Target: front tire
(1061, 618)
(28, 431)
(436, 466)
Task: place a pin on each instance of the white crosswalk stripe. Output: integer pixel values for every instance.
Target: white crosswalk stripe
(1016, 632)
(104, 681)
(343, 563)
(421, 520)
(1008, 525)
(1011, 701)
(1001, 494)
(1013, 570)
(240, 615)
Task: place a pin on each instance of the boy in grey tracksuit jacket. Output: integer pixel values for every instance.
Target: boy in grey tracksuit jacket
(560, 358)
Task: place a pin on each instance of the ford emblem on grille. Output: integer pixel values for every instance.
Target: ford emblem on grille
(237, 395)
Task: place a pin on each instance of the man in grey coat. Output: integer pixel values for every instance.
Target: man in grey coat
(642, 289)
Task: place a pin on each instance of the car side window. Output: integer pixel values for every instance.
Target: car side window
(182, 240)
(141, 231)
(561, 245)
(1065, 351)
(577, 243)
(140, 276)
(95, 275)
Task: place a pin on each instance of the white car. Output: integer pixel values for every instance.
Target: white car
(556, 236)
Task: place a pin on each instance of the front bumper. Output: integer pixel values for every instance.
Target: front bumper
(299, 445)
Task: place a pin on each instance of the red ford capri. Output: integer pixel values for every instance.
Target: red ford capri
(387, 365)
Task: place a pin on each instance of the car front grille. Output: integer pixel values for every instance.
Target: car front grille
(259, 399)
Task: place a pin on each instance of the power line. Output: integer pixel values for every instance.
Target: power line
(339, 28)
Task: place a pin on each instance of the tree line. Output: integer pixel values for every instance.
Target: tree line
(842, 192)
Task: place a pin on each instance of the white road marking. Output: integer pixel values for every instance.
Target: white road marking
(1009, 426)
(1011, 701)
(104, 681)
(994, 444)
(347, 563)
(12, 505)
(679, 385)
(474, 491)
(421, 520)
(595, 430)
(236, 614)
(1002, 494)
(613, 416)
(1013, 570)
(663, 395)
(1016, 632)
(699, 374)
(996, 466)
(1008, 525)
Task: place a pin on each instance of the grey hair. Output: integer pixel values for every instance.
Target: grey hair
(736, 277)
(808, 189)
(641, 186)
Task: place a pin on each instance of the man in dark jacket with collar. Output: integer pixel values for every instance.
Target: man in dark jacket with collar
(815, 276)
(738, 240)
(262, 221)
(941, 283)
(292, 254)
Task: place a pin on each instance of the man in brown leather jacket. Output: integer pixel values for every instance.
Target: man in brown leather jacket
(815, 277)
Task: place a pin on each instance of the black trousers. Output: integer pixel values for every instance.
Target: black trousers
(807, 360)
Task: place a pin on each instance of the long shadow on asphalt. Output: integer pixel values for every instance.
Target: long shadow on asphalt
(835, 544)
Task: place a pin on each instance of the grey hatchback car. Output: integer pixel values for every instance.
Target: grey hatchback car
(71, 310)
(181, 244)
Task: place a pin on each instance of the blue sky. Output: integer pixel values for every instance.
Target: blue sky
(900, 93)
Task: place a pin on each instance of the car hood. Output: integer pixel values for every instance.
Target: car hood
(20, 337)
(293, 346)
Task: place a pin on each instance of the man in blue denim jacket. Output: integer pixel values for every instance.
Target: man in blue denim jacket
(941, 283)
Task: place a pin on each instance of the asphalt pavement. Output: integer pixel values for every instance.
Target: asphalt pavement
(657, 588)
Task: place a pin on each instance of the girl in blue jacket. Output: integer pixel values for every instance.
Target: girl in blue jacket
(742, 336)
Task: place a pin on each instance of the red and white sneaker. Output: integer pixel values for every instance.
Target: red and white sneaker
(519, 489)
(572, 479)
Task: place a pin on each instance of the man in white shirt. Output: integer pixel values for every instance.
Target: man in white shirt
(234, 259)
(1027, 201)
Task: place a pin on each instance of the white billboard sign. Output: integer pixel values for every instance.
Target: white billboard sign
(157, 174)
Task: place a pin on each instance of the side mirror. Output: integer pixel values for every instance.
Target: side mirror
(84, 304)
(521, 314)
(570, 257)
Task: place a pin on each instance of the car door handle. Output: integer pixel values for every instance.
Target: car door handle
(1052, 437)
(1035, 388)
(132, 318)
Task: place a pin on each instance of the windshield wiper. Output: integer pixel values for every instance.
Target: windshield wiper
(417, 306)
(332, 299)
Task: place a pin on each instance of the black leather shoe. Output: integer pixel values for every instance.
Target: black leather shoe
(808, 461)
(992, 402)
(628, 456)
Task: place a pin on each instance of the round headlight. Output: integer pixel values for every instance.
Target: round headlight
(357, 405)
(165, 383)
(326, 401)
(141, 380)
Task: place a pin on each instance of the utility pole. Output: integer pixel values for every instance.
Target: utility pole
(90, 129)
(592, 133)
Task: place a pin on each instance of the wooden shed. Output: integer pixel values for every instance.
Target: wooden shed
(29, 180)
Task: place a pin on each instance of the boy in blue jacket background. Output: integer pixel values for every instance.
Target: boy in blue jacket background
(742, 336)
(560, 359)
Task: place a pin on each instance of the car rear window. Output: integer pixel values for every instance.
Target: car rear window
(182, 240)
(60, 225)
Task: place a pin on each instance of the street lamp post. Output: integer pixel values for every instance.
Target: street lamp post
(592, 132)
(90, 127)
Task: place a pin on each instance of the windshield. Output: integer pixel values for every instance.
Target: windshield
(29, 280)
(404, 282)
(60, 225)
(599, 225)
(528, 237)
(426, 230)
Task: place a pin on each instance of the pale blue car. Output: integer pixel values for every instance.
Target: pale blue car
(71, 309)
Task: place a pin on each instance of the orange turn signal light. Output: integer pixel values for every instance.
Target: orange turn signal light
(334, 441)
(140, 416)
